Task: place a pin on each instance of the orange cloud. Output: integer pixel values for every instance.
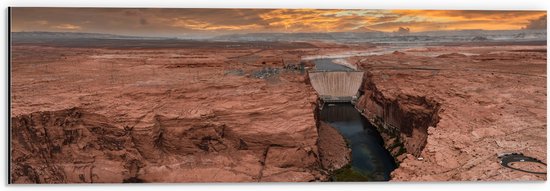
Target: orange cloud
(539, 23)
(295, 20)
(460, 20)
(202, 25)
(307, 20)
(299, 20)
(67, 27)
(170, 22)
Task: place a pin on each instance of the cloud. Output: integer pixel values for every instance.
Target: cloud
(304, 20)
(539, 23)
(426, 20)
(67, 27)
(464, 15)
(187, 23)
(41, 22)
(174, 22)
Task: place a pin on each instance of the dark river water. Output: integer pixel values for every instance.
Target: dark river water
(369, 157)
(370, 161)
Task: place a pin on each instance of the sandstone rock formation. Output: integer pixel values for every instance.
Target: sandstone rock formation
(333, 149)
(446, 118)
(158, 115)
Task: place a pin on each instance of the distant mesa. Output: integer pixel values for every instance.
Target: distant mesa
(480, 38)
(71, 35)
(452, 55)
(365, 29)
(363, 34)
(403, 30)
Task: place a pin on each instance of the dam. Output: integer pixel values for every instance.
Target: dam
(339, 86)
(335, 83)
(336, 86)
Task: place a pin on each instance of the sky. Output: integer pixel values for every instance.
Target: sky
(184, 22)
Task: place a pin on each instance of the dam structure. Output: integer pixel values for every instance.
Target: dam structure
(335, 83)
(338, 89)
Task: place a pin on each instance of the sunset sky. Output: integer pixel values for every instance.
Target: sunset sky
(181, 22)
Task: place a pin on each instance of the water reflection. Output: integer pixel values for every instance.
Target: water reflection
(369, 157)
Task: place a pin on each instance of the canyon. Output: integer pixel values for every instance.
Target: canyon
(236, 112)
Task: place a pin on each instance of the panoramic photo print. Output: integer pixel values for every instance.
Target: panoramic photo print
(180, 95)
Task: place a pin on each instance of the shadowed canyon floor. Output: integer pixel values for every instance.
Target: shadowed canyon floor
(216, 114)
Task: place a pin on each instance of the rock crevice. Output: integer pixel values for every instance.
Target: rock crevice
(402, 120)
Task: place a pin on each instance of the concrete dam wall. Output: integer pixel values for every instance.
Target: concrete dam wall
(333, 86)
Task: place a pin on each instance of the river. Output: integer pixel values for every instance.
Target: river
(370, 161)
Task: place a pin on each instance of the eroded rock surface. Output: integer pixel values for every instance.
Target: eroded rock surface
(454, 112)
(161, 115)
(333, 149)
(83, 115)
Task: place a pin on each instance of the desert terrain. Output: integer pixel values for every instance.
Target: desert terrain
(129, 111)
(204, 114)
(455, 108)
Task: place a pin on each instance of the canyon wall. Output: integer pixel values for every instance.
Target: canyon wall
(70, 146)
(402, 120)
(76, 146)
